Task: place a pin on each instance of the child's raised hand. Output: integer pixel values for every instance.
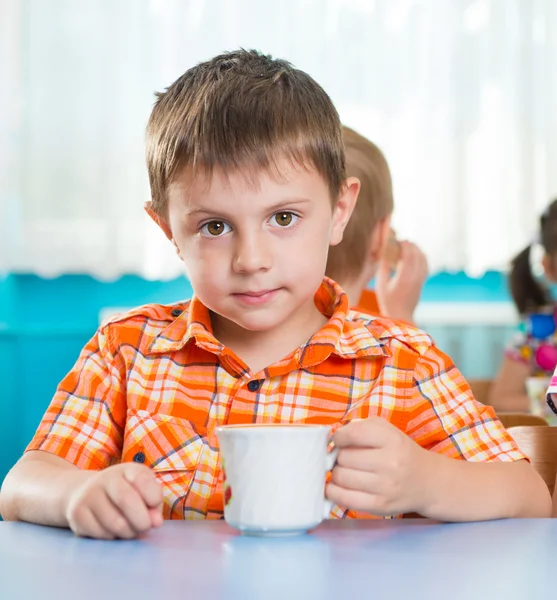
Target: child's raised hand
(121, 501)
(379, 469)
(398, 293)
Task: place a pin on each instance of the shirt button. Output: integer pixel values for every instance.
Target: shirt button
(254, 385)
(176, 312)
(139, 457)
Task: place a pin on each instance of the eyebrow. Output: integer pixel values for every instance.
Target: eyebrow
(285, 204)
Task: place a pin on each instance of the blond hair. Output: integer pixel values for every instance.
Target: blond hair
(242, 111)
(365, 161)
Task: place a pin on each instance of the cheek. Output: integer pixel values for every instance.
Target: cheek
(201, 257)
(317, 233)
(308, 254)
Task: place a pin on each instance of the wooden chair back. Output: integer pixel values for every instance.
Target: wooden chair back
(512, 419)
(539, 443)
(480, 389)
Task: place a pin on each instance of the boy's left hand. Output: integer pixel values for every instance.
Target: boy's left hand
(379, 469)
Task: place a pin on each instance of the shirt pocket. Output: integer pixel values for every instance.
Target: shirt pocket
(171, 447)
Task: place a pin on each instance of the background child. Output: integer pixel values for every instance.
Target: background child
(369, 247)
(246, 166)
(533, 350)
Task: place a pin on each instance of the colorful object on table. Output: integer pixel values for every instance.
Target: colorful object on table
(526, 352)
(546, 357)
(541, 325)
(535, 342)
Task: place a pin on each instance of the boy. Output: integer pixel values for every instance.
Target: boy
(369, 248)
(246, 165)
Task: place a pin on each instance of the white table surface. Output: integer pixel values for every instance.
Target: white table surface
(507, 559)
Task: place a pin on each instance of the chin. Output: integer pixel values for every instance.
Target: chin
(256, 325)
(256, 322)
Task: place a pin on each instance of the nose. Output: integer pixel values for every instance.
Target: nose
(252, 253)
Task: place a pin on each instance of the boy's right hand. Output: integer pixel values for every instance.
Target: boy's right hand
(122, 501)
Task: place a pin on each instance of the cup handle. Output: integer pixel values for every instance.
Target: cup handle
(330, 462)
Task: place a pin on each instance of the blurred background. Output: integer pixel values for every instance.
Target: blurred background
(461, 96)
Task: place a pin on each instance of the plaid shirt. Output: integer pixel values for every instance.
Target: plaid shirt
(152, 385)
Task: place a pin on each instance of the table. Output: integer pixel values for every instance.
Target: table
(401, 559)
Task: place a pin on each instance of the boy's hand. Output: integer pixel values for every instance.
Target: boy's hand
(398, 293)
(379, 470)
(122, 501)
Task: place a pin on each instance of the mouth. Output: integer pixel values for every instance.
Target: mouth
(256, 294)
(256, 297)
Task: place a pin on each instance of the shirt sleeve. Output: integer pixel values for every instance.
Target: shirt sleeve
(444, 417)
(85, 420)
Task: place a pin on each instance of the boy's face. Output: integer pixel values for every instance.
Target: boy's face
(255, 253)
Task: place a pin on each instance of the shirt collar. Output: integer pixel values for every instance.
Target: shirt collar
(193, 324)
(341, 335)
(345, 337)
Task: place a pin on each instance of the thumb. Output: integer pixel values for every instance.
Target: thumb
(144, 481)
(372, 432)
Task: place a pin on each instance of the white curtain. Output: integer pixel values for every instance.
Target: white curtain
(460, 94)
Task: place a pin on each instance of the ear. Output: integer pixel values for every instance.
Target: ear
(163, 224)
(160, 221)
(343, 209)
(379, 238)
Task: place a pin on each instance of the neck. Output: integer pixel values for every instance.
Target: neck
(353, 291)
(354, 287)
(260, 349)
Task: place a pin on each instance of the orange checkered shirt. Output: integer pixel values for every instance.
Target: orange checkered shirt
(152, 385)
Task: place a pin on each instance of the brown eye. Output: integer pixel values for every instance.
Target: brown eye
(214, 228)
(284, 219)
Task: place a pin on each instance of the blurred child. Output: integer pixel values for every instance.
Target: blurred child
(533, 350)
(369, 247)
(246, 165)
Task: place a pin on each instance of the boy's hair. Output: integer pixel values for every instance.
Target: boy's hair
(528, 292)
(242, 110)
(365, 161)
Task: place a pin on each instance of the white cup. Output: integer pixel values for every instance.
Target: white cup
(536, 388)
(275, 477)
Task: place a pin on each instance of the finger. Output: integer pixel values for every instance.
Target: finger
(362, 459)
(356, 500)
(414, 258)
(423, 264)
(112, 519)
(146, 484)
(408, 257)
(84, 524)
(156, 516)
(356, 479)
(129, 502)
(374, 432)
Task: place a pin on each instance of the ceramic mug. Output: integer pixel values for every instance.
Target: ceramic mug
(274, 477)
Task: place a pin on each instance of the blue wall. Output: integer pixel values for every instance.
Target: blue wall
(44, 323)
